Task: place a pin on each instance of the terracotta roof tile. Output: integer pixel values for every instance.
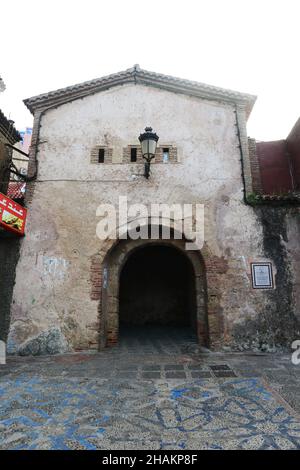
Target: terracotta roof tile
(16, 190)
(139, 76)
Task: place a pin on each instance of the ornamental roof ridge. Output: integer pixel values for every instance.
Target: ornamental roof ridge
(137, 75)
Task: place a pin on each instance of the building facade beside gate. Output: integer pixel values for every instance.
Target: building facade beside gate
(73, 288)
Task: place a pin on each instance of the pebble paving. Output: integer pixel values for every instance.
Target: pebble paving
(157, 392)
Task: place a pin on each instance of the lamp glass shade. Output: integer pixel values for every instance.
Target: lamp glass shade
(148, 142)
(148, 147)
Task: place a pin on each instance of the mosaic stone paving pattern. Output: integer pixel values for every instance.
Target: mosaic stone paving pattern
(150, 392)
(91, 413)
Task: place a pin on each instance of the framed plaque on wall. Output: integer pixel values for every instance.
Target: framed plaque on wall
(262, 275)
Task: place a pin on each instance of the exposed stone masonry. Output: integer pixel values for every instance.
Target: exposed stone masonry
(108, 152)
(126, 158)
(255, 169)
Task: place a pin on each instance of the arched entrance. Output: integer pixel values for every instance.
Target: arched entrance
(138, 290)
(157, 288)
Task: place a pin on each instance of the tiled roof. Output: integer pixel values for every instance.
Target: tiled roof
(293, 197)
(8, 130)
(139, 76)
(16, 190)
(278, 199)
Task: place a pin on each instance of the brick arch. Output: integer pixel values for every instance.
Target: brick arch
(111, 269)
(209, 270)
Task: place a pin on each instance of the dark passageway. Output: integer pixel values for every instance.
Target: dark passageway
(157, 288)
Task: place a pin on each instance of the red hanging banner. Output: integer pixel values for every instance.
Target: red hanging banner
(12, 215)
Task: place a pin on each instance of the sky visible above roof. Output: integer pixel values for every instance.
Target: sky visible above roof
(249, 46)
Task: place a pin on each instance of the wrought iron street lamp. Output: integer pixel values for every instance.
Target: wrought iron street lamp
(148, 143)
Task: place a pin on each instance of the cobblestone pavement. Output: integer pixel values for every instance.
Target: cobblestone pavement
(152, 391)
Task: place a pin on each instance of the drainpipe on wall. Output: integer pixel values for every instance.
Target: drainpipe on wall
(241, 154)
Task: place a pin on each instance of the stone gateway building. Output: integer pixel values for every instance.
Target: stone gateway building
(73, 290)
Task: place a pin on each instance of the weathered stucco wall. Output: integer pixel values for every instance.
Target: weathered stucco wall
(54, 308)
(293, 256)
(277, 324)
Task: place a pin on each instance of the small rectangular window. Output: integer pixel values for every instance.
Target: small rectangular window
(101, 155)
(133, 154)
(165, 155)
